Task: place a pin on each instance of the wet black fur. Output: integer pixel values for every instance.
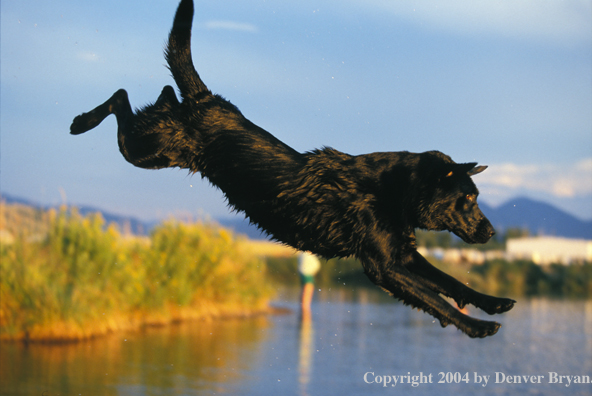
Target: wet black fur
(325, 201)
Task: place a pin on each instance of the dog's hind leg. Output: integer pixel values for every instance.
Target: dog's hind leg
(117, 104)
(142, 136)
(445, 284)
(167, 98)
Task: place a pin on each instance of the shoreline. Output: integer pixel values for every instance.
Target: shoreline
(66, 277)
(70, 332)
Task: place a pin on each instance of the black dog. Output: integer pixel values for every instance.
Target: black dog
(330, 203)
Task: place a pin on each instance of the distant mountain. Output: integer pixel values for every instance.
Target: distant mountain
(537, 217)
(127, 223)
(240, 225)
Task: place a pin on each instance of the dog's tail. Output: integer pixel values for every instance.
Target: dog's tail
(178, 52)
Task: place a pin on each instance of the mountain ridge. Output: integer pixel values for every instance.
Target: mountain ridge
(538, 217)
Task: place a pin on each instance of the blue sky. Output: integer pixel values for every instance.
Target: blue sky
(504, 83)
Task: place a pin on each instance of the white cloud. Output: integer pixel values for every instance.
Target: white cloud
(562, 181)
(559, 21)
(230, 25)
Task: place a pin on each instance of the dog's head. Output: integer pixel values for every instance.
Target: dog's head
(452, 205)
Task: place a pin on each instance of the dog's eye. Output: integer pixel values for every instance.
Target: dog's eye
(470, 198)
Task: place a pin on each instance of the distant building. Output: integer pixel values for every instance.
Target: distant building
(547, 250)
(457, 256)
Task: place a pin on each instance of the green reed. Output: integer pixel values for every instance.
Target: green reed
(83, 278)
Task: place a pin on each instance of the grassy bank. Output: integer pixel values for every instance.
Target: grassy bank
(75, 278)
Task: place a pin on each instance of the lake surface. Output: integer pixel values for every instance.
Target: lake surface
(352, 343)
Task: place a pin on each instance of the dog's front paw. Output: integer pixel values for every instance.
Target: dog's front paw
(496, 305)
(476, 328)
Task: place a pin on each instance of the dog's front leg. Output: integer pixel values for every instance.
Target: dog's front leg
(407, 287)
(441, 282)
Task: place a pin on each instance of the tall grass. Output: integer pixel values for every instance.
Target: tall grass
(84, 279)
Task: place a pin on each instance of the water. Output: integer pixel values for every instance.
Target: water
(352, 340)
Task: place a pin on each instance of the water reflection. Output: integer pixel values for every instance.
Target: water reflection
(347, 335)
(197, 355)
(305, 356)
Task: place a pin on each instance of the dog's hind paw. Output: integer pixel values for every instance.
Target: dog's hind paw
(84, 122)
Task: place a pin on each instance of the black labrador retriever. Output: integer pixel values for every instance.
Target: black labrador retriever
(324, 201)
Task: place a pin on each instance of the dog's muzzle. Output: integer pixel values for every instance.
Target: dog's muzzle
(484, 231)
(480, 234)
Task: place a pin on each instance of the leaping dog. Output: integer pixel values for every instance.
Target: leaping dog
(324, 201)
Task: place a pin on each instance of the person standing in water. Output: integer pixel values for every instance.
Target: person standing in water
(308, 266)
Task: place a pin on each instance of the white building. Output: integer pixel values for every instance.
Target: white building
(547, 250)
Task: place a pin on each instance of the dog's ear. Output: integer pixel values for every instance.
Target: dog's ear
(477, 169)
(469, 168)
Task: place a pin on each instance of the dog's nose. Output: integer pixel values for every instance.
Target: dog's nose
(485, 230)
